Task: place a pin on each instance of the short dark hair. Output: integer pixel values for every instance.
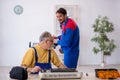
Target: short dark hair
(62, 11)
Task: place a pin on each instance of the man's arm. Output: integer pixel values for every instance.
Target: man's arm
(35, 69)
(27, 61)
(62, 66)
(56, 61)
(67, 38)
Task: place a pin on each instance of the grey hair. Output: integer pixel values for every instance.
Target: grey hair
(44, 35)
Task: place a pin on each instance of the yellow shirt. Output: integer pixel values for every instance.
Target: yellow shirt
(29, 57)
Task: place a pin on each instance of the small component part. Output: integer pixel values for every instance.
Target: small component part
(86, 74)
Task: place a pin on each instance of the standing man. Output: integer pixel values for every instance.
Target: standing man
(69, 38)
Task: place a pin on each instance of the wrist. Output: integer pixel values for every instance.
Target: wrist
(29, 69)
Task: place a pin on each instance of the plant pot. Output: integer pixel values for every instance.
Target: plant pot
(102, 64)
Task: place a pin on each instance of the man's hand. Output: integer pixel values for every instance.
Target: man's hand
(54, 37)
(62, 66)
(36, 69)
(55, 41)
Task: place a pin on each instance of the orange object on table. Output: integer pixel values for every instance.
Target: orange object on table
(107, 73)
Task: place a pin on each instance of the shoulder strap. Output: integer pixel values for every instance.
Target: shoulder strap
(49, 54)
(36, 57)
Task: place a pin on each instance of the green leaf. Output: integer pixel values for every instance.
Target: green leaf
(101, 27)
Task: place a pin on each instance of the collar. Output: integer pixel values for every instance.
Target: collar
(42, 50)
(66, 21)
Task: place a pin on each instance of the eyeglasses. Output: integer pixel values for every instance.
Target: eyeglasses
(51, 41)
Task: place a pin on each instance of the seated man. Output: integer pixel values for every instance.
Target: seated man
(46, 55)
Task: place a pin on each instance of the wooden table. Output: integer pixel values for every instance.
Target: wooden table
(88, 72)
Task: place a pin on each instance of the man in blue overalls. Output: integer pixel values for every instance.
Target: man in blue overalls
(41, 55)
(69, 38)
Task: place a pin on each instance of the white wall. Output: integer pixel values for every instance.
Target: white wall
(89, 11)
(17, 30)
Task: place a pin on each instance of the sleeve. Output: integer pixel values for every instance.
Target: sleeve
(59, 37)
(55, 59)
(28, 58)
(66, 38)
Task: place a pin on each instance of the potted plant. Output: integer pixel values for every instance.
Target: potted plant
(105, 45)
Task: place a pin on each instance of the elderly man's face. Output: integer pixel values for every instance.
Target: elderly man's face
(49, 43)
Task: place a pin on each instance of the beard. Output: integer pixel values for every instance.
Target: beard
(61, 21)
